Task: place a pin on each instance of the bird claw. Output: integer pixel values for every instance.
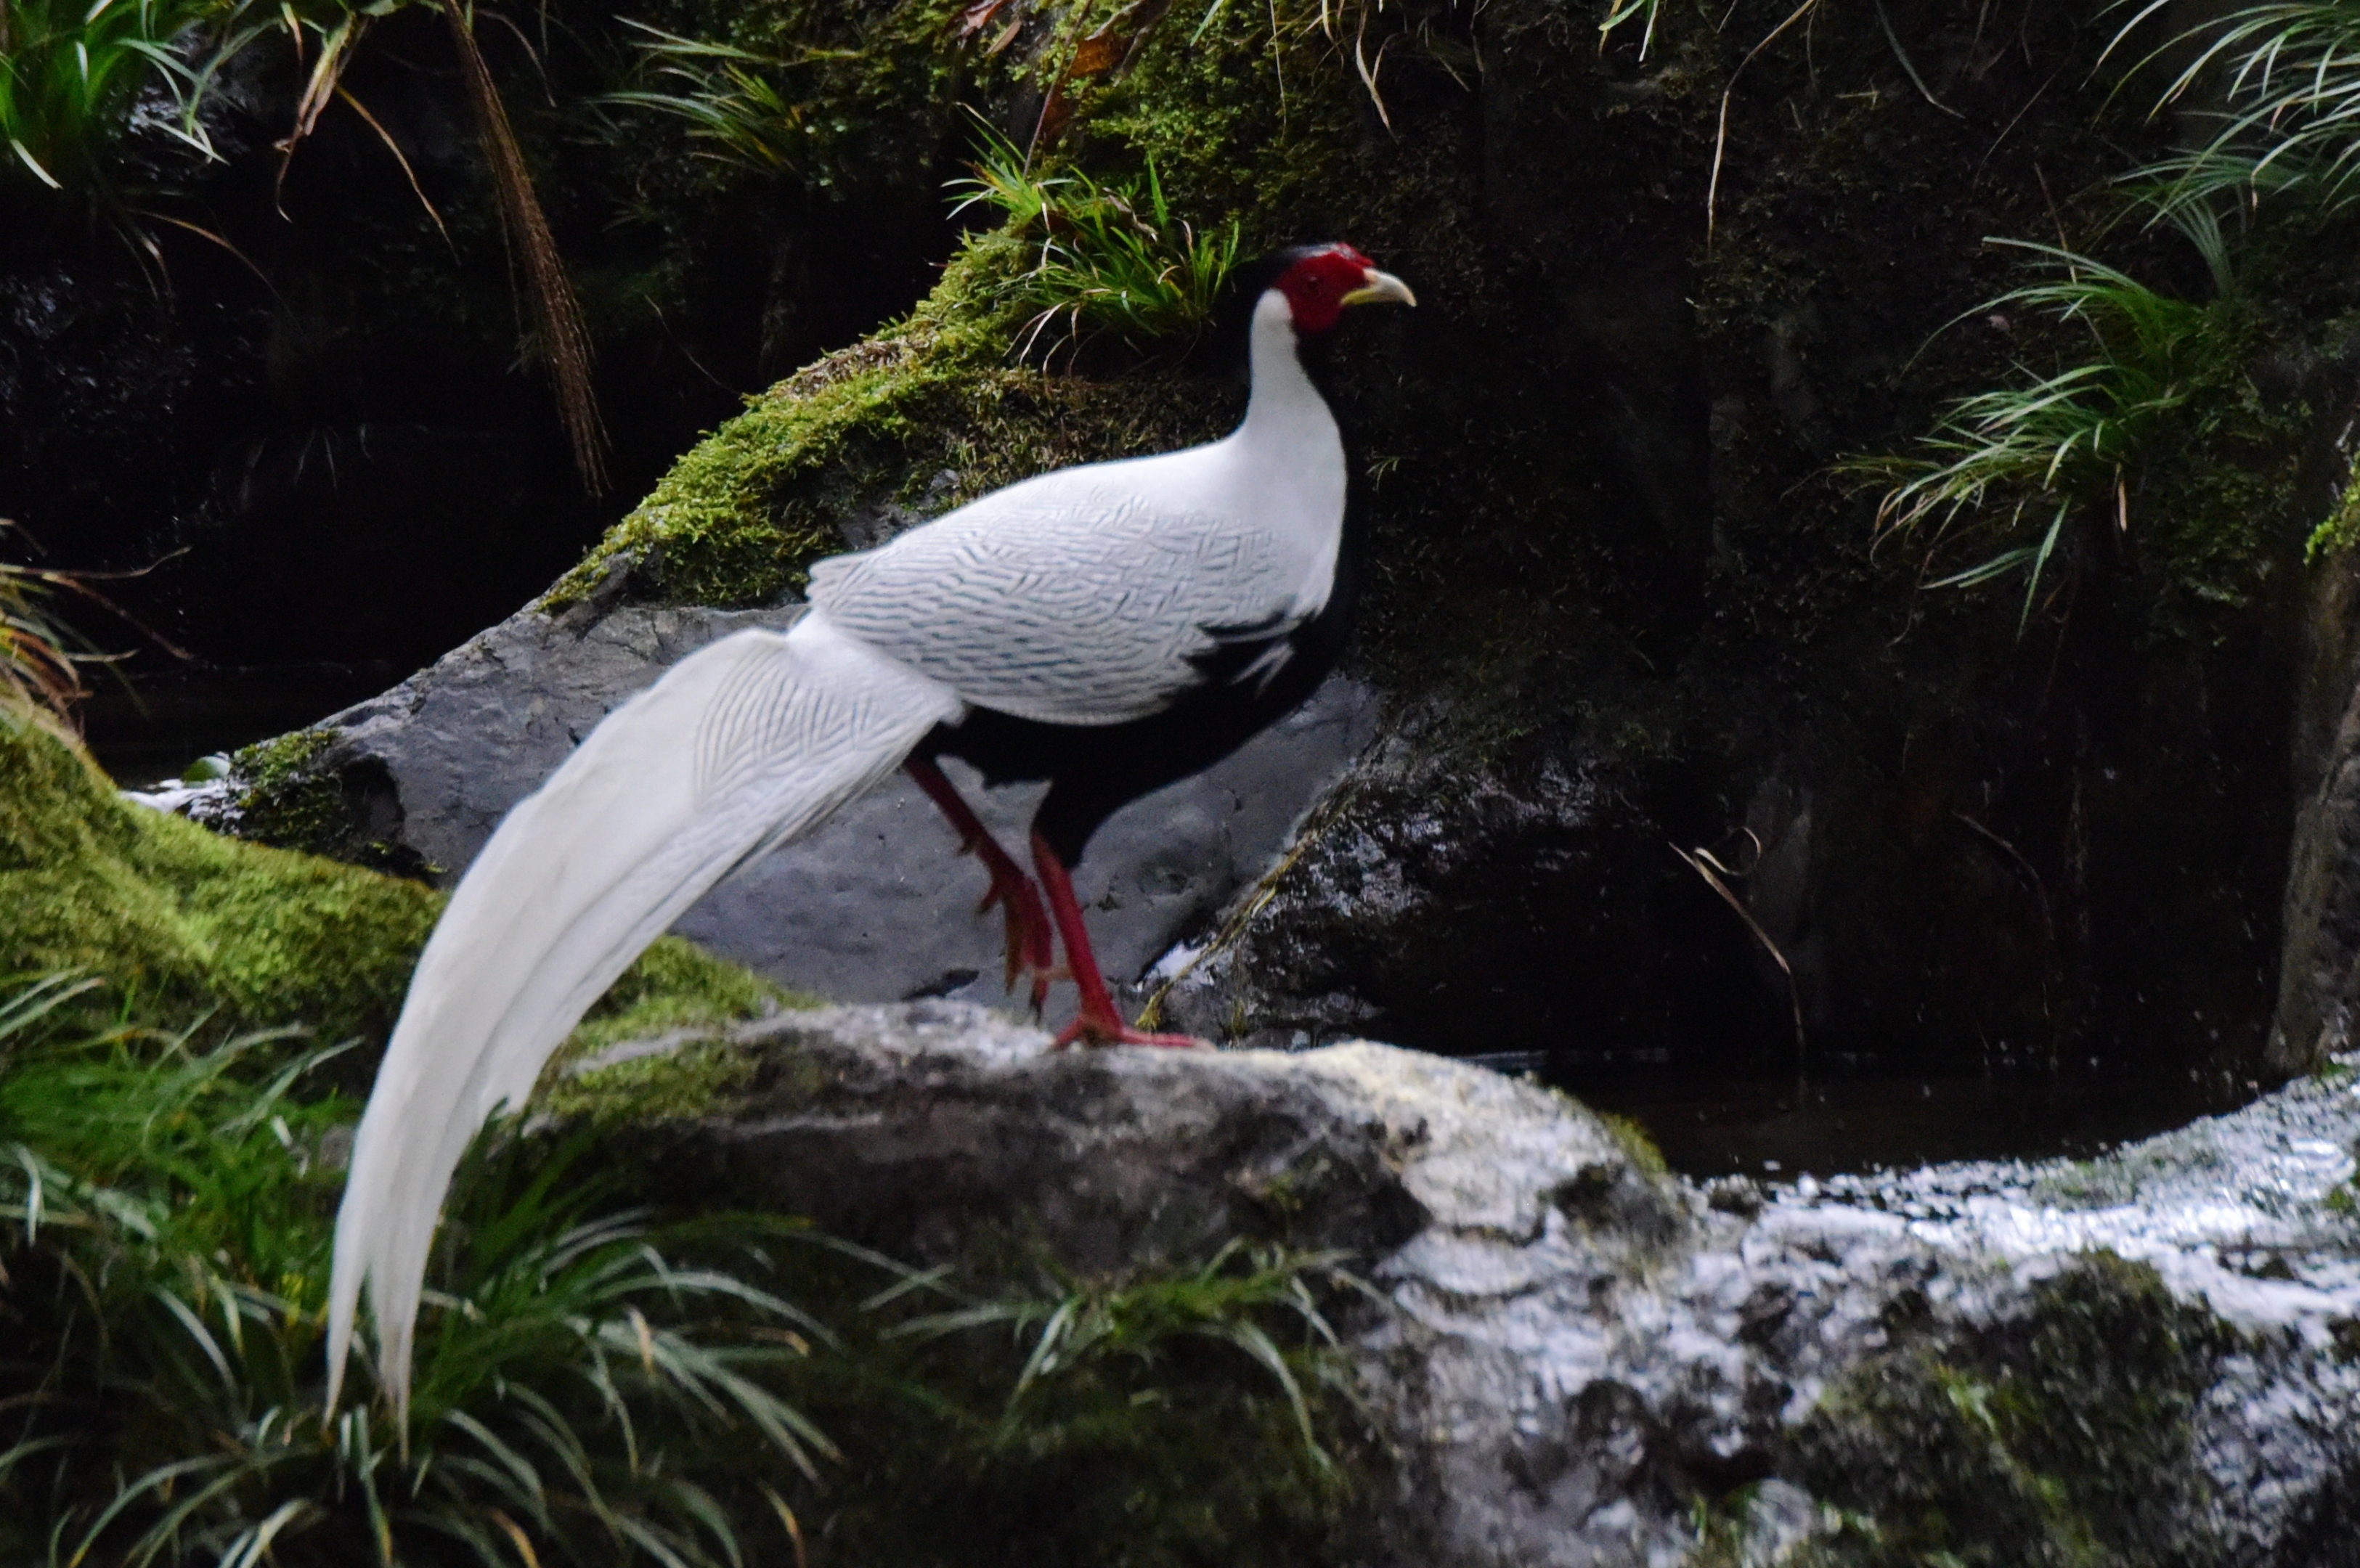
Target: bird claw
(1031, 939)
(1030, 948)
(1097, 1032)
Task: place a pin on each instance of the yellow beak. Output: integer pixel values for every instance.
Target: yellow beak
(1381, 289)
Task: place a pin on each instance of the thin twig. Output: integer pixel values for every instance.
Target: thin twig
(1702, 863)
(531, 53)
(2020, 114)
(1369, 72)
(394, 148)
(2055, 216)
(202, 233)
(1278, 64)
(1721, 135)
(318, 88)
(2039, 888)
(1907, 69)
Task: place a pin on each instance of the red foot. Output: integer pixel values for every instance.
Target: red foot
(1030, 947)
(1089, 1031)
(1100, 1024)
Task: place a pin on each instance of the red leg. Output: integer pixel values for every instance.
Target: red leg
(1099, 1024)
(1028, 947)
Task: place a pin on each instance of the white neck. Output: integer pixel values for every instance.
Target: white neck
(1283, 466)
(1291, 455)
(1284, 408)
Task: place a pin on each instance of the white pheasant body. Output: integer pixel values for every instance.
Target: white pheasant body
(1086, 597)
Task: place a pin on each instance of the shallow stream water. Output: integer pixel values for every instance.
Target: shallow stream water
(1862, 1118)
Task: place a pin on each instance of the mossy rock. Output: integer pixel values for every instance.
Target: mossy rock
(924, 417)
(937, 409)
(186, 924)
(180, 920)
(2066, 1439)
(290, 794)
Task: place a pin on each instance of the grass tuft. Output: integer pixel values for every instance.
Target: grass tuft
(42, 659)
(1230, 1300)
(594, 1385)
(2017, 463)
(2286, 79)
(734, 108)
(1623, 13)
(71, 74)
(1111, 261)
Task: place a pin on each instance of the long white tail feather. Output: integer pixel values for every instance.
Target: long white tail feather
(742, 747)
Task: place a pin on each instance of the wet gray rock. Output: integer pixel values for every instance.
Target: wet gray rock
(1439, 902)
(936, 1129)
(2150, 1355)
(877, 904)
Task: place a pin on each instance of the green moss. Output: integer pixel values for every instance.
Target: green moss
(677, 984)
(871, 91)
(675, 988)
(2065, 1441)
(932, 411)
(289, 802)
(180, 920)
(293, 795)
(694, 1080)
(272, 767)
(2218, 510)
(1236, 127)
(1638, 1146)
(1149, 1436)
(2336, 531)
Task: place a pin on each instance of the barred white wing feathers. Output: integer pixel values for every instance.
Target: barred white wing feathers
(1072, 598)
(741, 747)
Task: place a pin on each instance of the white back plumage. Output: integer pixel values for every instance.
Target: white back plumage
(1081, 596)
(1073, 604)
(741, 747)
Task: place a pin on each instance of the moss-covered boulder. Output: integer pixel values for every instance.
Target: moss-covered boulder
(928, 414)
(184, 925)
(2062, 1437)
(180, 920)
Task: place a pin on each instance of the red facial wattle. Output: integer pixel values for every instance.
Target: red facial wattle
(1316, 286)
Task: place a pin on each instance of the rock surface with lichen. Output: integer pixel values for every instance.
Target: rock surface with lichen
(1578, 1359)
